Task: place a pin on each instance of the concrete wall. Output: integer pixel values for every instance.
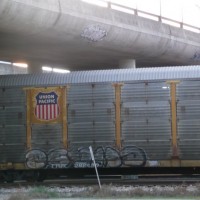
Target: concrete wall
(10, 69)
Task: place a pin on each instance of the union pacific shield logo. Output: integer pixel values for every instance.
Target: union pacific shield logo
(47, 107)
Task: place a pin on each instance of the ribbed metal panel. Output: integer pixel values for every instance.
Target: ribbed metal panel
(91, 92)
(2, 116)
(100, 112)
(12, 97)
(15, 115)
(2, 154)
(118, 75)
(12, 153)
(12, 115)
(15, 134)
(2, 136)
(188, 113)
(12, 143)
(13, 106)
(91, 115)
(146, 118)
(89, 133)
(12, 120)
(46, 137)
(1, 96)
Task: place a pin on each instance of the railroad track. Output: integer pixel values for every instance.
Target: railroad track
(116, 180)
(144, 186)
(126, 181)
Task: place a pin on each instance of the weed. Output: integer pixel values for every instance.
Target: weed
(43, 192)
(19, 196)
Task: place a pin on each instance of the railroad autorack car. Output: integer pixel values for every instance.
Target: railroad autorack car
(133, 118)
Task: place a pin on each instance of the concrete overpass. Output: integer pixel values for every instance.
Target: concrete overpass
(78, 36)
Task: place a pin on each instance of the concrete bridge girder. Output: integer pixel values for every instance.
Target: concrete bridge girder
(50, 32)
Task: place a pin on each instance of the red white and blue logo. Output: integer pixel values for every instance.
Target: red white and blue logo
(47, 107)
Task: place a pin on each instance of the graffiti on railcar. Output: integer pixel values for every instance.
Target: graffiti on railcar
(131, 156)
(36, 159)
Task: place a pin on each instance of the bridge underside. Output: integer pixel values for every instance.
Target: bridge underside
(79, 36)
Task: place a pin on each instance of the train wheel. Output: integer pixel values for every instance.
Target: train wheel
(31, 176)
(8, 177)
(41, 176)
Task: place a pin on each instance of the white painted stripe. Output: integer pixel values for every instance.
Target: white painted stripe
(41, 110)
(45, 111)
(49, 111)
(56, 109)
(38, 111)
(52, 111)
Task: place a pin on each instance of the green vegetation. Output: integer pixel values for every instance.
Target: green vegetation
(42, 192)
(19, 196)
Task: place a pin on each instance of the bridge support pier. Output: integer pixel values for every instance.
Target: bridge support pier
(34, 68)
(127, 63)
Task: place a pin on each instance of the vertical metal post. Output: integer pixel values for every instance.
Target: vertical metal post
(182, 14)
(160, 18)
(175, 154)
(109, 4)
(92, 156)
(118, 114)
(174, 119)
(64, 117)
(136, 8)
(28, 119)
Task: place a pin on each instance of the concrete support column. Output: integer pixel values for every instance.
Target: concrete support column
(34, 68)
(127, 63)
(6, 69)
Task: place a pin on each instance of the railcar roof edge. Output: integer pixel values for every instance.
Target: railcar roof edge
(102, 76)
